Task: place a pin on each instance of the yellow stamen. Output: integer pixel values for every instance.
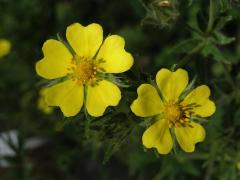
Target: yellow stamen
(172, 112)
(164, 3)
(82, 70)
(182, 121)
(176, 114)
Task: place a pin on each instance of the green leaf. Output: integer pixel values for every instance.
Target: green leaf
(222, 22)
(212, 50)
(119, 80)
(222, 39)
(193, 20)
(113, 147)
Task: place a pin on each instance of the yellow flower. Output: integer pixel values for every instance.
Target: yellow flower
(41, 103)
(164, 3)
(5, 47)
(174, 113)
(84, 70)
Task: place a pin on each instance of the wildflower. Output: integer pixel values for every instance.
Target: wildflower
(5, 47)
(41, 103)
(84, 70)
(174, 112)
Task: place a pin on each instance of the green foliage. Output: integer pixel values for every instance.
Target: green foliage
(202, 37)
(161, 15)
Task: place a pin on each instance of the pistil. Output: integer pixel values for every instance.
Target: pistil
(177, 115)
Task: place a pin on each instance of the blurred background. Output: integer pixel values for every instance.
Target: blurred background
(39, 143)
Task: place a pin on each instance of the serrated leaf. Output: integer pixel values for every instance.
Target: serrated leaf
(115, 144)
(60, 125)
(193, 21)
(222, 22)
(118, 80)
(222, 39)
(212, 50)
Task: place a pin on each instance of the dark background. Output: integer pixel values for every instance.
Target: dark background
(110, 147)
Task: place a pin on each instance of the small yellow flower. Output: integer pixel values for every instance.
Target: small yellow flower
(41, 103)
(164, 3)
(84, 70)
(5, 47)
(174, 113)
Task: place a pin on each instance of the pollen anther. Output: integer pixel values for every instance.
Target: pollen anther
(176, 114)
(82, 70)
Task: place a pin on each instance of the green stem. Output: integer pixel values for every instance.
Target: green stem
(211, 17)
(88, 120)
(174, 141)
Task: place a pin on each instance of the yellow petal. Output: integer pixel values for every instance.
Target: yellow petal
(56, 60)
(113, 55)
(148, 102)
(158, 136)
(5, 47)
(67, 95)
(85, 40)
(171, 84)
(100, 96)
(187, 136)
(200, 97)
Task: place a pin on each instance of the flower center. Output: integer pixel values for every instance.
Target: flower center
(172, 112)
(83, 70)
(177, 115)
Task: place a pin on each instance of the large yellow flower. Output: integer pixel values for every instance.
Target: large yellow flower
(174, 112)
(5, 47)
(84, 70)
